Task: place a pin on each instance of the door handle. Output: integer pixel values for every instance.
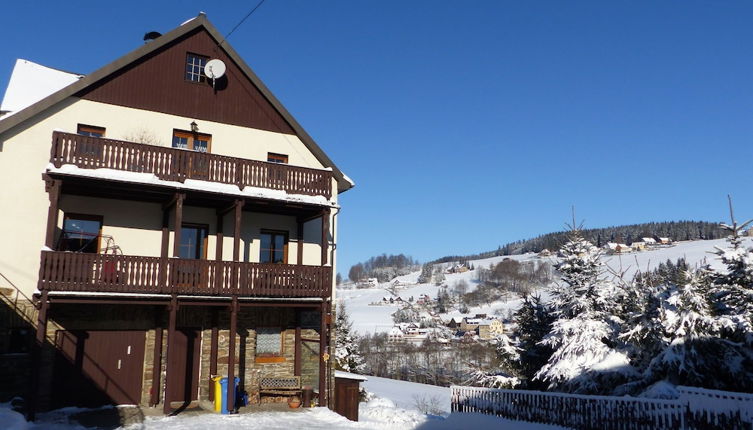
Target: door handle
(118, 364)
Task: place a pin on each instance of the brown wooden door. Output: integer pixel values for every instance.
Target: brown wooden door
(94, 368)
(346, 398)
(184, 365)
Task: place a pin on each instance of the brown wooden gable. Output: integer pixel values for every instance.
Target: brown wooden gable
(157, 82)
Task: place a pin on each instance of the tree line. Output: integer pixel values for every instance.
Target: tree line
(675, 230)
(383, 267)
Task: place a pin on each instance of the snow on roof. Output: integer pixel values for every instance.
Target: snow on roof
(348, 375)
(350, 181)
(31, 82)
(189, 184)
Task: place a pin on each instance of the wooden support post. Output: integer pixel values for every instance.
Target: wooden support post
(164, 250)
(237, 231)
(156, 362)
(52, 186)
(178, 223)
(165, 233)
(213, 352)
(173, 309)
(231, 355)
(37, 355)
(300, 241)
(220, 236)
(297, 359)
(325, 235)
(322, 351)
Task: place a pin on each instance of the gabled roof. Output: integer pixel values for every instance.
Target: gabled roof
(344, 183)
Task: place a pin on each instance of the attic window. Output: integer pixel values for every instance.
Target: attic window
(277, 158)
(195, 67)
(91, 130)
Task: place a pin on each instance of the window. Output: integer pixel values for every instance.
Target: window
(91, 130)
(195, 67)
(81, 233)
(274, 247)
(193, 241)
(193, 141)
(277, 158)
(269, 345)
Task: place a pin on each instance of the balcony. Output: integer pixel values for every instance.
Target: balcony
(86, 273)
(171, 164)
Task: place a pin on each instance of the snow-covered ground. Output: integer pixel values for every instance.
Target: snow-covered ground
(374, 319)
(395, 406)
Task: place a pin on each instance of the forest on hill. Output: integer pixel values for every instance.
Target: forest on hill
(627, 234)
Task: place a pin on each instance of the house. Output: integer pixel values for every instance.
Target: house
(664, 241)
(469, 324)
(395, 335)
(223, 209)
(457, 268)
(649, 241)
(638, 246)
(454, 322)
(545, 253)
(617, 248)
(496, 328)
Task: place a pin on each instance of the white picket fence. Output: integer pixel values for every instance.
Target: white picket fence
(695, 409)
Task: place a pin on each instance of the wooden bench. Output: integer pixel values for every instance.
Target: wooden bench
(281, 386)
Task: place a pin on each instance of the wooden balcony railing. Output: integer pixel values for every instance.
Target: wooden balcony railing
(174, 164)
(81, 272)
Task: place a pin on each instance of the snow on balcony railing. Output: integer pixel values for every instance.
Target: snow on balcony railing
(172, 164)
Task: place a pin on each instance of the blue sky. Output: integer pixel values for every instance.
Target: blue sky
(466, 125)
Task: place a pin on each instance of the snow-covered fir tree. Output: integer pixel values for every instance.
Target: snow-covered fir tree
(533, 321)
(732, 288)
(695, 351)
(584, 335)
(347, 354)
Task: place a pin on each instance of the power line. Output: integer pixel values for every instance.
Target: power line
(239, 24)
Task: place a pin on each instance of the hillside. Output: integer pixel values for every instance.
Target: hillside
(373, 319)
(677, 230)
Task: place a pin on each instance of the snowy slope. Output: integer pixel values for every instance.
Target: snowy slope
(373, 319)
(393, 408)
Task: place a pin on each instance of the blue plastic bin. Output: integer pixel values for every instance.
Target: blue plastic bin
(223, 384)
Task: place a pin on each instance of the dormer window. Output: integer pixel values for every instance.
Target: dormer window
(195, 67)
(90, 130)
(277, 158)
(194, 141)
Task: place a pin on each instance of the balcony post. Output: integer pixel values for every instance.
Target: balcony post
(297, 363)
(300, 241)
(325, 235)
(213, 353)
(179, 197)
(156, 361)
(52, 186)
(173, 311)
(220, 235)
(231, 355)
(322, 352)
(237, 230)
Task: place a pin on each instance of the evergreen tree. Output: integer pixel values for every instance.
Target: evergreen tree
(583, 337)
(347, 354)
(533, 322)
(732, 288)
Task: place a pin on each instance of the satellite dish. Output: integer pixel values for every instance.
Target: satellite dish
(214, 69)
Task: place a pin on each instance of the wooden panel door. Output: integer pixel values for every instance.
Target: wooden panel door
(184, 365)
(94, 368)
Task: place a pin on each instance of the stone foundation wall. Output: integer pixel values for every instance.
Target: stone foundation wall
(15, 369)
